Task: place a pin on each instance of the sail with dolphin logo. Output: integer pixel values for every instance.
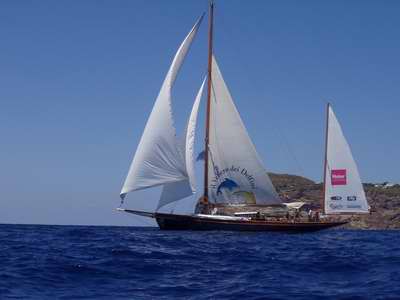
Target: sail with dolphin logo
(235, 170)
(236, 174)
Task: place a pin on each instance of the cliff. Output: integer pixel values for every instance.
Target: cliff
(384, 201)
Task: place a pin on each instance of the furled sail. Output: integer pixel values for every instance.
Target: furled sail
(159, 158)
(344, 192)
(236, 174)
(178, 190)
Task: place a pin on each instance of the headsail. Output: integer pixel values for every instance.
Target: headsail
(159, 159)
(190, 138)
(344, 192)
(178, 190)
(236, 174)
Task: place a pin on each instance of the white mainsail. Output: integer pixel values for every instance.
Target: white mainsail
(344, 192)
(178, 190)
(235, 171)
(159, 158)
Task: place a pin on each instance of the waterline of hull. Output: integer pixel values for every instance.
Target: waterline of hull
(182, 222)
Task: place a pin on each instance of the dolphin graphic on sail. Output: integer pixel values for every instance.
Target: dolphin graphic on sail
(227, 184)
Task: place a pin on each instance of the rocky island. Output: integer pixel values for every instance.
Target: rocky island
(383, 199)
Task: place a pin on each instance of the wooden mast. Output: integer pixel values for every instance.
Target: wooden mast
(209, 87)
(326, 157)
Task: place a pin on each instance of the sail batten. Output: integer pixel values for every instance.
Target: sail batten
(235, 171)
(159, 158)
(344, 192)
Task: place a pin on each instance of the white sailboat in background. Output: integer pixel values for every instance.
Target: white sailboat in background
(233, 172)
(343, 190)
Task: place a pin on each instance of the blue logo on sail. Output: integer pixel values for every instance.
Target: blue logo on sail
(234, 193)
(228, 184)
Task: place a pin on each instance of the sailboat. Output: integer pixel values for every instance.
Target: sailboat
(343, 189)
(233, 172)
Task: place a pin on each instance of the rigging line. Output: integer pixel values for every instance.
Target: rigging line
(174, 206)
(293, 154)
(285, 143)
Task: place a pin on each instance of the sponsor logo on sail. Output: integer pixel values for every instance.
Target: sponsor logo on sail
(351, 198)
(225, 186)
(335, 206)
(336, 198)
(338, 177)
(353, 206)
(234, 171)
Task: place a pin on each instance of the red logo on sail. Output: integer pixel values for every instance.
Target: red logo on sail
(338, 177)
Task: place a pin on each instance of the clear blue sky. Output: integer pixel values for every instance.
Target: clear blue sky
(78, 80)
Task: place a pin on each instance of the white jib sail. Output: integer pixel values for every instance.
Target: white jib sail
(178, 190)
(190, 138)
(344, 192)
(159, 159)
(236, 174)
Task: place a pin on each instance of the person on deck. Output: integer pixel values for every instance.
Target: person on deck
(297, 215)
(317, 216)
(310, 215)
(203, 206)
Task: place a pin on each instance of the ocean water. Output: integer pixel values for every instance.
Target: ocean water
(83, 262)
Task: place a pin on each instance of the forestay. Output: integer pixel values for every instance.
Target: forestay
(159, 158)
(344, 192)
(236, 174)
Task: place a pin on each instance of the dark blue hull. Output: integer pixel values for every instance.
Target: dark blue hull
(181, 222)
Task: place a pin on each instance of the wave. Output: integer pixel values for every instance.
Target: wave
(70, 262)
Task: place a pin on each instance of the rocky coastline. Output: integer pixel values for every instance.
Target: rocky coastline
(384, 200)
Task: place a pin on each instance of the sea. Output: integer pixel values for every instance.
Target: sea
(94, 262)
